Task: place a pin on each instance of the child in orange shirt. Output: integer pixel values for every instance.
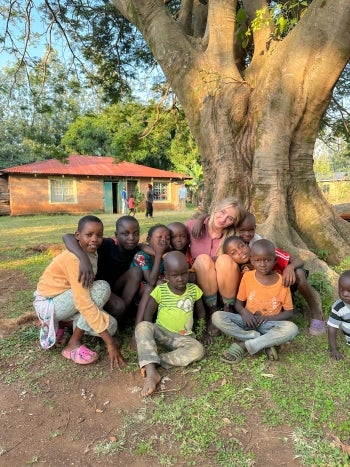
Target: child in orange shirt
(263, 307)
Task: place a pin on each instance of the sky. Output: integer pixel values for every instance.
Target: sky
(38, 30)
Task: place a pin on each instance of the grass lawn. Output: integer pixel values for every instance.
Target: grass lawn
(290, 412)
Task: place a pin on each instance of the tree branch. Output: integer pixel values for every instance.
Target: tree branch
(262, 34)
(221, 25)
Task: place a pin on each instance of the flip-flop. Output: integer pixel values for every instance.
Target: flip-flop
(317, 328)
(272, 353)
(82, 355)
(234, 354)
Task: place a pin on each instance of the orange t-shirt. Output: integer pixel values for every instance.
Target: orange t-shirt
(268, 299)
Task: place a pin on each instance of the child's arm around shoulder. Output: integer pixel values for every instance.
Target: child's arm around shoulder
(86, 274)
(196, 224)
(288, 274)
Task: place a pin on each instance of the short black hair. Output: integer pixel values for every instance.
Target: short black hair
(228, 240)
(124, 219)
(84, 220)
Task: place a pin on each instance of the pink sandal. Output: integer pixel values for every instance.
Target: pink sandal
(82, 355)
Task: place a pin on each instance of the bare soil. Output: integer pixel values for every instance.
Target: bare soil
(60, 416)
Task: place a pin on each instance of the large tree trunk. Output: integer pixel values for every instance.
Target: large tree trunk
(256, 126)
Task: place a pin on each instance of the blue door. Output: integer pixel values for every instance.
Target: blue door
(108, 197)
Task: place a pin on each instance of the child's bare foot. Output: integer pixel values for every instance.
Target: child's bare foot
(152, 378)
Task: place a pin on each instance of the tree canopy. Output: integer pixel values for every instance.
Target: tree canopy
(155, 135)
(36, 108)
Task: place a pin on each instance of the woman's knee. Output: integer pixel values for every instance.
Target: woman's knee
(204, 262)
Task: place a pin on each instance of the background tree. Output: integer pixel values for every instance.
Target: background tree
(151, 134)
(36, 107)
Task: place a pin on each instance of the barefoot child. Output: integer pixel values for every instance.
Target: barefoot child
(61, 297)
(340, 316)
(263, 307)
(151, 266)
(175, 301)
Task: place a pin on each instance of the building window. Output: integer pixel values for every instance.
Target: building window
(161, 190)
(62, 190)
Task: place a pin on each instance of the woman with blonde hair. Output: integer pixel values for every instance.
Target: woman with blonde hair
(216, 272)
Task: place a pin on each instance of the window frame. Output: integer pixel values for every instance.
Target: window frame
(166, 187)
(66, 198)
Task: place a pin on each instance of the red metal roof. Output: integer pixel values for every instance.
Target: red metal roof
(92, 166)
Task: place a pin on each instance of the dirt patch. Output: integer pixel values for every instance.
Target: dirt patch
(71, 417)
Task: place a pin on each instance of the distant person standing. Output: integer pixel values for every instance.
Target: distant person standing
(149, 201)
(124, 200)
(182, 197)
(131, 204)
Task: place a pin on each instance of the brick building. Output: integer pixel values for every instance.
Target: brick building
(83, 184)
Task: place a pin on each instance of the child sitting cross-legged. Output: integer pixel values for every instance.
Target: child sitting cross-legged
(293, 274)
(175, 301)
(264, 306)
(61, 297)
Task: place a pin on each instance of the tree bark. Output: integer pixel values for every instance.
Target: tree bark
(256, 128)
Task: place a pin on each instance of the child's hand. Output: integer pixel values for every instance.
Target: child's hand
(115, 356)
(86, 274)
(197, 228)
(336, 355)
(248, 318)
(260, 319)
(288, 276)
(246, 268)
(161, 248)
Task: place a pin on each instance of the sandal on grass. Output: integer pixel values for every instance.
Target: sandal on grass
(82, 355)
(317, 327)
(272, 353)
(234, 354)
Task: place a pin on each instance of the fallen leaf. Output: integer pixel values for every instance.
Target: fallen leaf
(343, 446)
